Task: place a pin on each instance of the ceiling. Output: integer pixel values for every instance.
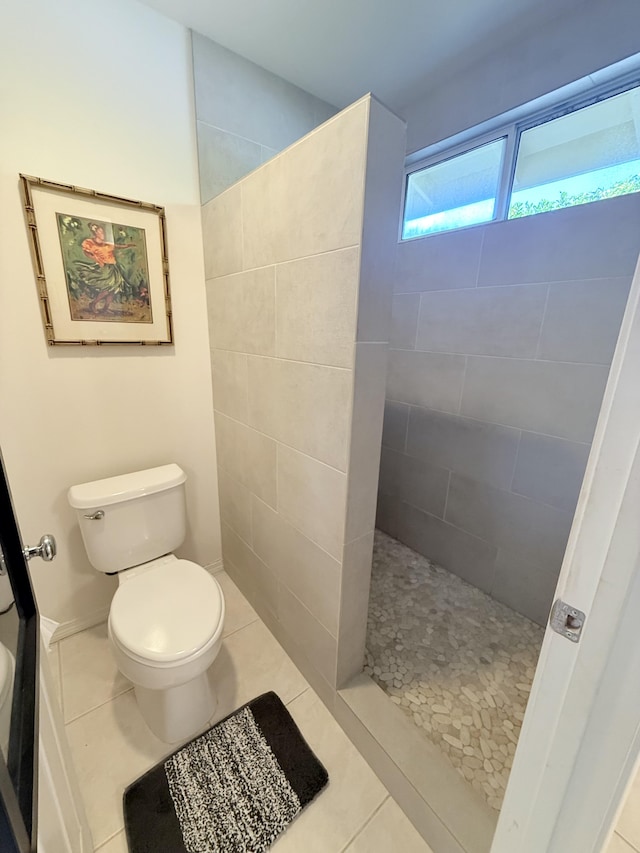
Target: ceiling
(340, 49)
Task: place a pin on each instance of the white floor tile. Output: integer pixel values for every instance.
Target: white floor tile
(117, 844)
(352, 795)
(389, 829)
(238, 612)
(89, 673)
(111, 747)
(629, 821)
(619, 845)
(252, 662)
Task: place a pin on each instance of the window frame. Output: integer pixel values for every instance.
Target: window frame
(511, 131)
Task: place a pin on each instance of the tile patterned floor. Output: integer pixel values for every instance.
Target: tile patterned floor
(458, 663)
(111, 745)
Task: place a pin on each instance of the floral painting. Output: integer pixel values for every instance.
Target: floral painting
(106, 270)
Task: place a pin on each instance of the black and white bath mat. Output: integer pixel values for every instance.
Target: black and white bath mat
(233, 789)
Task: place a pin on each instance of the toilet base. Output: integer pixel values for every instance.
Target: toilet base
(178, 713)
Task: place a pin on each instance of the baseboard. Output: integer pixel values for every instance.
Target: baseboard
(214, 568)
(74, 626)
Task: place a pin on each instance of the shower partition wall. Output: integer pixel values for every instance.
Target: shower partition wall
(299, 263)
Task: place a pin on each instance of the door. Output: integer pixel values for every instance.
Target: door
(40, 805)
(579, 743)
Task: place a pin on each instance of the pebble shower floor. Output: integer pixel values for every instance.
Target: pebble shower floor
(457, 662)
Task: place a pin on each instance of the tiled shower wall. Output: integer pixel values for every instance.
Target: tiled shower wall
(245, 115)
(501, 342)
(299, 260)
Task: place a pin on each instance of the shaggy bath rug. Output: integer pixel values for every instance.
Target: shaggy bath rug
(233, 789)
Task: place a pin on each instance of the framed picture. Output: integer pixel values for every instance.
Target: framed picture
(101, 265)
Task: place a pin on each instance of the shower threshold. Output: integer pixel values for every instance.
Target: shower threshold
(455, 661)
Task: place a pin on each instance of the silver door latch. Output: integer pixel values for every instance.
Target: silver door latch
(567, 620)
(45, 549)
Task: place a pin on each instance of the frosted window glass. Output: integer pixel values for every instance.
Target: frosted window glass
(458, 192)
(588, 155)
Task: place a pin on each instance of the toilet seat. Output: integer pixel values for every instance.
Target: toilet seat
(167, 615)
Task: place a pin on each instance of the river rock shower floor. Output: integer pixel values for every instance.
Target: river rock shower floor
(457, 662)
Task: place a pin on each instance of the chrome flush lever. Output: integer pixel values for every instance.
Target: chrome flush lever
(46, 549)
(95, 516)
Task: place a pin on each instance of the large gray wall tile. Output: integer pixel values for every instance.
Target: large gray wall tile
(223, 158)
(306, 406)
(550, 470)
(316, 301)
(309, 199)
(386, 146)
(480, 450)
(235, 505)
(312, 497)
(248, 456)
(302, 566)
(256, 576)
(588, 241)
(468, 556)
(222, 234)
(485, 321)
(525, 587)
(548, 397)
(394, 428)
(426, 379)
(242, 311)
(582, 320)
(405, 308)
(354, 605)
(230, 384)
(238, 96)
(312, 638)
(413, 481)
(366, 437)
(440, 262)
(536, 531)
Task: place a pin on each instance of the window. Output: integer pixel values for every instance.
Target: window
(582, 153)
(457, 192)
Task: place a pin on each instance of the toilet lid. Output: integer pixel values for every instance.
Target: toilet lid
(168, 613)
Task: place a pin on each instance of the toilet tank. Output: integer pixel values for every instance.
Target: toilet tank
(132, 518)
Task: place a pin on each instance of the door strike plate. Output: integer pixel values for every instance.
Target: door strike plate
(567, 620)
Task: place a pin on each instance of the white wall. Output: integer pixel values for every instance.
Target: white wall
(100, 96)
(584, 39)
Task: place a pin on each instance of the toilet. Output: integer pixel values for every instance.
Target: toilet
(167, 615)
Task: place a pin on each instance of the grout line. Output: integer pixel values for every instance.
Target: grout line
(348, 369)
(367, 821)
(532, 360)
(284, 261)
(544, 317)
(103, 844)
(304, 690)
(515, 464)
(481, 250)
(462, 385)
(100, 705)
(482, 287)
(246, 625)
(488, 423)
(446, 497)
(284, 444)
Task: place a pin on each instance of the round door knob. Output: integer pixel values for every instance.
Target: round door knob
(46, 549)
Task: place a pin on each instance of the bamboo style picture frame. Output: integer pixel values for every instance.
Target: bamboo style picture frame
(101, 265)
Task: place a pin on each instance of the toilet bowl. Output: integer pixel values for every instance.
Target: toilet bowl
(167, 615)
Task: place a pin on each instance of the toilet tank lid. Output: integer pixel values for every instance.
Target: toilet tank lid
(125, 487)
